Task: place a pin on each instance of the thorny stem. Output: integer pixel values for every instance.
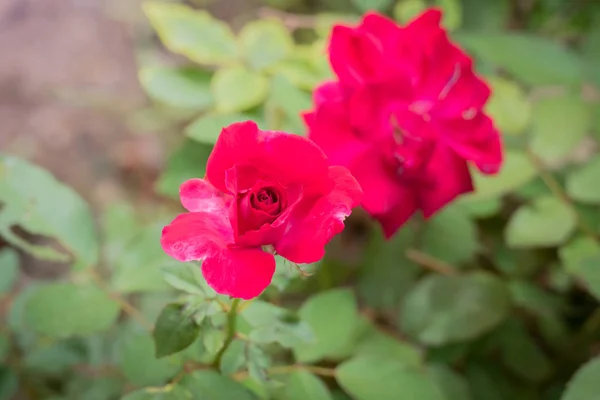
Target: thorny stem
(286, 369)
(429, 262)
(231, 328)
(126, 306)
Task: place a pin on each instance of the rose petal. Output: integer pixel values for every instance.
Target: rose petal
(314, 223)
(239, 272)
(475, 140)
(275, 156)
(398, 216)
(196, 236)
(199, 195)
(446, 177)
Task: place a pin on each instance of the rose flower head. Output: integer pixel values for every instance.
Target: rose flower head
(264, 192)
(405, 115)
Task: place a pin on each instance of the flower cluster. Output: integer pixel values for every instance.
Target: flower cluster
(404, 115)
(400, 123)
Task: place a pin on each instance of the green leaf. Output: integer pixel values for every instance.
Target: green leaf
(65, 309)
(187, 278)
(451, 236)
(211, 385)
(406, 10)
(9, 269)
(447, 309)
(265, 43)
(451, 12)
(9, 383)
(192, 33)
(531, 59)
(139, 364)
(452, 385)
(485, 208)
(581, 184)
(272, 324)
(559, 125)
(384, 283)
(4, 346)
(375, 342)
(384, 378)
(284, 106)
(584, 385)
(207, 128)
(234, 357)
(588, 270)
(334, 319)
(508, 106)
(174, 331)
(187, 162)
(547, 222)
(168, 392)
(303, 385)
(367, 5)
(516, 172)
(138, 267)
(577, 250)
(238, 89)
(32, 198)
(178, 87)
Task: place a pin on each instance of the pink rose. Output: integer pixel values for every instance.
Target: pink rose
(263, 190)
(405, 116)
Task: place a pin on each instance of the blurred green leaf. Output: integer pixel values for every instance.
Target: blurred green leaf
(582, 183)
(303, 385)
(369, 5)
(376, 342)
(178, 87)
(334, 319)
(169, 392)
(207, 128)
(4, 345)
(238, 89)
(453, 385)
(406, 10)
(138, 267)
(533, 298)
(480, 208)
(272, 324)
(65, 309)
(192, 33)
(387, 274)
(234, 357)
(32, 198)
(445, 309)
(384, 378)
(547, 222)
(265, 43)
(577, 250)
(187, 162)
(584, 385)
(284, 106)
(531, 59)
(559, 124)
(452, 13)
(187, 278)
(214, 386)
(9, 383)
(516, 171)
(482, 16)
(139, 363)
(9, 269)
(451, 236)
(175, 330)
(588, 270)
(508, 106)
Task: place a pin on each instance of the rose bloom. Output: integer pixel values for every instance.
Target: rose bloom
(405, 115)
(263, 190)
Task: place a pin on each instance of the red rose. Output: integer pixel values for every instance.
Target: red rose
(262, 188)
(405, 116)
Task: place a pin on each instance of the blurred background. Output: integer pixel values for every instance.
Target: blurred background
(88, 93)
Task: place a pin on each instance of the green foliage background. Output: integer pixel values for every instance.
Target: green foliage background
(496, 297)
